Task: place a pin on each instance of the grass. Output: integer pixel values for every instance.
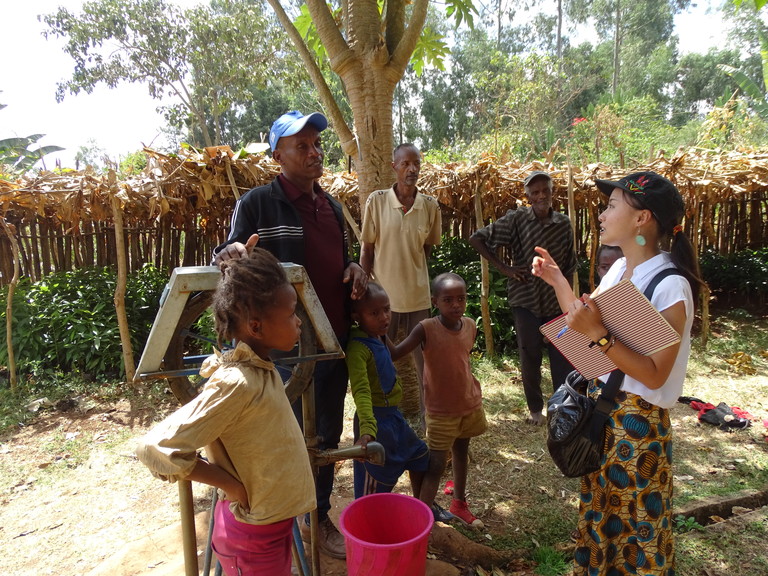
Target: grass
(736, 331)
(529, 507)
(550, 562)
(739, 551)
(526, 505)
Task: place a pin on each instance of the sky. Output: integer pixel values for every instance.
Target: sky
(119, 120)
(123, 119)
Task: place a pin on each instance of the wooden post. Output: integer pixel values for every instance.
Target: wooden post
(188, 532)
(484, 275)
(122, 281)
(311, 441)
(693, 234)
(10, 230)
(572, 216)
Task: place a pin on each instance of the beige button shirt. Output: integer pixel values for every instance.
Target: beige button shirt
(243, 405)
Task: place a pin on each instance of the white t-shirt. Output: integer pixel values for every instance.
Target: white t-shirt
(669, 291)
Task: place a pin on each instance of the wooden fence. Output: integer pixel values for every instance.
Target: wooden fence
(178, 210)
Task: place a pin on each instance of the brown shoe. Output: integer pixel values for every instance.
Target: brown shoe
(331, 541)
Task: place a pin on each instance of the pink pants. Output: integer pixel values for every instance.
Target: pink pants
(251, 550)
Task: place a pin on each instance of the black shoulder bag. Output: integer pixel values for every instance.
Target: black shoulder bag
(576, 422)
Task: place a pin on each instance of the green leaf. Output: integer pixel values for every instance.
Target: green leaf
(306, 28)
(16, 143)
(749, 87)
(461, 11)
(430, 49)
(764, 54)
(43, 150)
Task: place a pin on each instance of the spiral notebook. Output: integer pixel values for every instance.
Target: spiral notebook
(628, 315)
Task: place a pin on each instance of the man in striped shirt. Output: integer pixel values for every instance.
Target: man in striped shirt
(533, 301)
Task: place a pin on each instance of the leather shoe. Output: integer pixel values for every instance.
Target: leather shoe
(330, 540)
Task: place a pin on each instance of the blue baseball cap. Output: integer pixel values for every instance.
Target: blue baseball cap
(292, 122)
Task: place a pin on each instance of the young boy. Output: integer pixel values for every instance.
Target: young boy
(377, 394)
(451, 393)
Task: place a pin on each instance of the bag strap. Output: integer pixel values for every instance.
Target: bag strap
(604, 404)
(648, 292)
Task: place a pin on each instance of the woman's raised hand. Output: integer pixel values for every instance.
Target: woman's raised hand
(545, 267)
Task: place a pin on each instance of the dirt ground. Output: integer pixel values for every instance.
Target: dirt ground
(75, 500)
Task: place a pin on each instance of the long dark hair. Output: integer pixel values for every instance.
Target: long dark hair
(680, 251)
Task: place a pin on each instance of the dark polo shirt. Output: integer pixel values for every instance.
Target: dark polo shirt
(324, 250)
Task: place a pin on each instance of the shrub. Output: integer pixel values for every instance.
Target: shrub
(67, 321)
(456, 255)
(743, 275)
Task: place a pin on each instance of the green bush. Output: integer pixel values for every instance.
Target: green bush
(743, 275)
(67, 321)
(456, 255)
(142, 300)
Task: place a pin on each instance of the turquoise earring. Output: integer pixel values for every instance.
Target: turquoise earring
(640, 239)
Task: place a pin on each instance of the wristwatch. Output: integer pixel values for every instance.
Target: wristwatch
(602, 341)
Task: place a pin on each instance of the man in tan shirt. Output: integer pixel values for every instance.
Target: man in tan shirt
(400, 227)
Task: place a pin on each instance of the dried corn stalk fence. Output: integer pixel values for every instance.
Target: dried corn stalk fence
(178, 209)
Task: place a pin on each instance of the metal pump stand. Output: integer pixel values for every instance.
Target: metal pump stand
(185, 298)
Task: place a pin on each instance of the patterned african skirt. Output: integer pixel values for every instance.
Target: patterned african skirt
(625, 509)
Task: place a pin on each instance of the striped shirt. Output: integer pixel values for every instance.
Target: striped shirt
(519, 231)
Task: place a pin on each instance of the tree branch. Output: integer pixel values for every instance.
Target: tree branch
(406, 46)
(332, 109)
(395, 24)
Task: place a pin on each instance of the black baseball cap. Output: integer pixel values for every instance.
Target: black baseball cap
(536, 174)
(654, 193)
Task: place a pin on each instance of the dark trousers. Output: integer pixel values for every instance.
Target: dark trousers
(330, 390)
(530, 343)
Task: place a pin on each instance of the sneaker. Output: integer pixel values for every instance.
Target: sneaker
(440, 513)
(331, 541)
(460, 509)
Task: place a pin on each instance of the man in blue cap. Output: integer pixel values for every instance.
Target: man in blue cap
(296, 220)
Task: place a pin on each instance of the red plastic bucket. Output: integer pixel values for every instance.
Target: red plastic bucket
(386, 535)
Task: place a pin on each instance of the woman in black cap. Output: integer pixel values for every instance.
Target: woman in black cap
(625, 509)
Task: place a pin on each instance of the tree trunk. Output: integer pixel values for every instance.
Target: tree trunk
(370, 56)
(559, 35)
(371, 95)
(498, 24)
(616, 50)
